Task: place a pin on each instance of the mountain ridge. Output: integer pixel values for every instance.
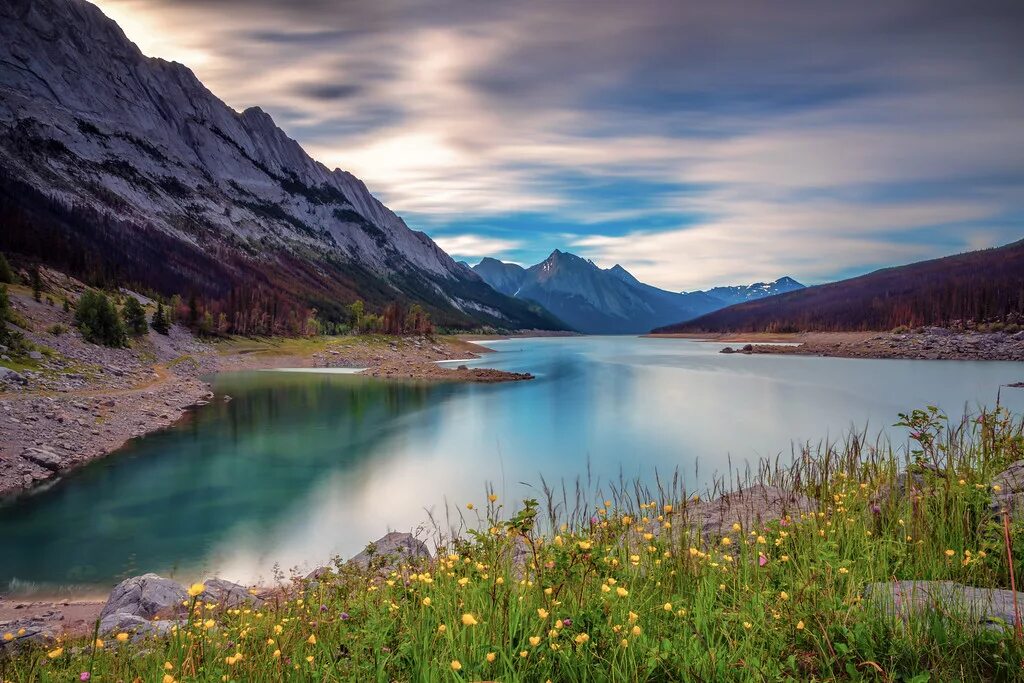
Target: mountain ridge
(93, 130)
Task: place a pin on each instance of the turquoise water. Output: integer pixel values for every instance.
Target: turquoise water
(299, 467)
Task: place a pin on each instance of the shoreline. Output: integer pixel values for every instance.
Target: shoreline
(926, 344)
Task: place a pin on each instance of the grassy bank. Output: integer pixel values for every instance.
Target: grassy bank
(629, 589)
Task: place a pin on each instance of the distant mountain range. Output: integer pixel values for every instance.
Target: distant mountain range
(120, 168)
(609, 301)
(978, 286)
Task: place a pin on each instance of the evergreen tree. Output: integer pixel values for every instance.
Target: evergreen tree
(6, 274)
(98, 320)
(37, 284)
(5, 315)
(159, 322)
(135, 317)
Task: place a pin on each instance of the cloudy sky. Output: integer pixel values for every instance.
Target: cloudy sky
(694, 142)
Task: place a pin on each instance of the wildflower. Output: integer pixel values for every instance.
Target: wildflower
(681, 613)
(311, 640)
(621, 592)
(277, 654)
(736, 526)
(469, 506)
(208, 624)
(747, 625)
(624, 643)
(426, 602)
(463, 581)
(950, 553)
(784, 595)
(196, 589)
(667, 607)
(635, 630)
(997, 488)
(605, 588)
(844, 570)
(582, 639)
(122, 637)
(278, 628)
(84, 676)
(499, 581)
(760, 540)
(309, 659)
(783, 558)
(456, 665)
(468, 620)
(98, 643)
(761, 560)
(534, 641)
(726, 540)
(800, 626)
(568, 622)
(491, 656)
(721, 586)
(584, 545)
(56, 652)
(441, 628)
(542, 613)
(168, 666)
(8, 636)
(168, 678)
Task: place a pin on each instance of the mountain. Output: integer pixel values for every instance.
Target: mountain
(590, 299)
(507, 278)
(759, 290)
(122, 168)
(974, 287)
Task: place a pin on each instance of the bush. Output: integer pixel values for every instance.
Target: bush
(98, 320)
(135, 317)
(5, 316)
(7, 275)
(57, 329)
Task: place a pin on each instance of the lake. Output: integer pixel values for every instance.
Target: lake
(300, 466)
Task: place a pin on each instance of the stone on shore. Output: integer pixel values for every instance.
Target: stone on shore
(1010, 492)
(392, 550)
(749, 507)
(135, 626)
(228, 595)
(44, 457)
(987, 607)
(145, 596)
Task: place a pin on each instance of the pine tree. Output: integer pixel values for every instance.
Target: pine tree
(97, 318)
(135, 317)
(6, 274)
(159, 322)
(37, 284)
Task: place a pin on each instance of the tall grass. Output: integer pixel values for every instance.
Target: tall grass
(627, 586)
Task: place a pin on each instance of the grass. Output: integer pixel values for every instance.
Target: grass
(625, 589)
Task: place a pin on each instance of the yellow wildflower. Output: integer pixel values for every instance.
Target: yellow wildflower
(800, 626)
(542, 613)
(122, 637)
(667, 607)
(582, 639)
(54, 653)
(491, 656)
(456, 665)
(534, 641)
(635, 630)
(441, 628)
(196, 589)
(621, 592)
(311, 640)
(468, 620)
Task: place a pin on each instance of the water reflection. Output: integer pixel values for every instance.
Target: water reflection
(301, 466)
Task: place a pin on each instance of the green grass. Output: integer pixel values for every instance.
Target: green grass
(624, 590)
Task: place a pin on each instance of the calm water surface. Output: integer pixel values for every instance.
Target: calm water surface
(302, 466)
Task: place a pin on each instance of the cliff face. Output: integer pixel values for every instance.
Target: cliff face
(100, 134)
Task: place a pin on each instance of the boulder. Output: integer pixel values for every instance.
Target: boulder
(751, 507)
(145, 596)
(228, 594)
(36, 630)
(392, 550)
(728, 349)
(989, 607)
(135, 626)
(11, 376)
(44, 457)
(1010, 492)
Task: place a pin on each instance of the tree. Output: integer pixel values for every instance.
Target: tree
(135, 317)
(37, 284)
(356, 311)
(5, 315)
(417, 321)
(98, 320)
(6, 274)
(159, 322)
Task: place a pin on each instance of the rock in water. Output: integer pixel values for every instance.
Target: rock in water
(980, 606)
(145, 596)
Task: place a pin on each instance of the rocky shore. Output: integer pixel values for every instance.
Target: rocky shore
(72, 402)
(926, 344)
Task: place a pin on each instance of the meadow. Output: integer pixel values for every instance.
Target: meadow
(628, 584)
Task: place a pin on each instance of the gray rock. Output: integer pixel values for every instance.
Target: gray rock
(393, 549)
(1010, 483)
(988, 607)
(44, 457)
(750, 507)
(35, 355)
(728, 349)
(37, 631)
(11, 376)
(135, 626)
(145, 596)
(228, 594)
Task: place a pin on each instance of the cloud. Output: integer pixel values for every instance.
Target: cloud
(475, 246)
(694, 142)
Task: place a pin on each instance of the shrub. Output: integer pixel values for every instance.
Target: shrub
(7, 275)
(135, 317)
(57, 329)
(98, 320)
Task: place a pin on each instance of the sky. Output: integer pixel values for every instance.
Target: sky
(695, 143)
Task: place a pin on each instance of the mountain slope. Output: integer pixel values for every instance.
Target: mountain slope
(593, 300)
(115, 165)
(759, 290)
(978, 286)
